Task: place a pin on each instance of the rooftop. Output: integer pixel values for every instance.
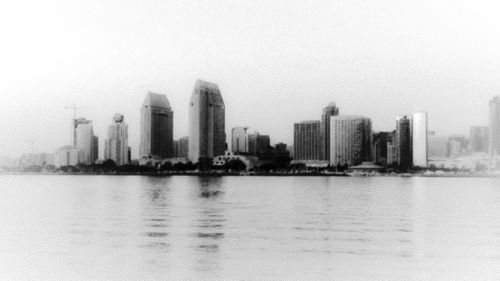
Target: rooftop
(156, 100)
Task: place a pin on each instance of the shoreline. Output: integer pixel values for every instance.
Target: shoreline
(244, 174)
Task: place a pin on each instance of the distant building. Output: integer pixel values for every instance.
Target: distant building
(350, 139)
(207, 137)
(66, 156)
(479, 137)
(39, 160)
(457, 146)
(157, 119)
(379, 147)
(116, 145)
(239, 140)
(184, 147)
(420, 140)
(221, 160)
(403, 142)
(438, 146)
(177, 151)
(494, 131)
(328, 111)
(86, 142)
(307, 140)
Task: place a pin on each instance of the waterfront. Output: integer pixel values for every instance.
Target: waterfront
(252, 228)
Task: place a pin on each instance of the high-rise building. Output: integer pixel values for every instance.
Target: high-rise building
(494, 131)
(419, 140)
(379, 147)
(403, 142)
(86, 142)
(307, 140)
(157, 125)
(391, 148)
(184, 147)
(350, 139)
(239, 140)
(478, 141)
(457, 146)
(116, 145)
(207, 137)
(330, 110)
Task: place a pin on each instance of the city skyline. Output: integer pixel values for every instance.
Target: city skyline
(359, 55)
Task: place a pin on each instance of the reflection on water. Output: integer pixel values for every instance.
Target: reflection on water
(192, 228)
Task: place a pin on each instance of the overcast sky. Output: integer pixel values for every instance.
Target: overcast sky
(276, 63)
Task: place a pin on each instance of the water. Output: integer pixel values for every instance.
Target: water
(248, 228)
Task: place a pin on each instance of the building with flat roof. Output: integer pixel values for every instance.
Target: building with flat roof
(307, 140)
(350, 139)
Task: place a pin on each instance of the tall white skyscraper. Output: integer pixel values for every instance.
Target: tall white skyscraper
(419, 139)
(207, 137)
(85, 141)
(116, 145)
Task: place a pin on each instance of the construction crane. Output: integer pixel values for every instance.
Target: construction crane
(74, 108)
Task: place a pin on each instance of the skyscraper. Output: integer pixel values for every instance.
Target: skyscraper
(307, 140)
(494, 132)
(379, 147)
(85, 141)
(403, 140)
(207, 137)
(419, 140)
(157, 122)
(239, 140)
(116, 145)
(350, 139)
(330, 110)
(478, 141)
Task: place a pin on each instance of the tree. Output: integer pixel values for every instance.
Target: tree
(235, 164)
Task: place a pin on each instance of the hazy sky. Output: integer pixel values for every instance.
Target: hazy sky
(276, 63)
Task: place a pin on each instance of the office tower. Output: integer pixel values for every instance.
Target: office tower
(403, 140)
(307, 140)
(184, 147)
(176, 149)
(350, 139)
(379, 147)
(239, 140)
(262, 145)
(157, 125)
(391, 148)
(478, 141)
(419, 139)
(330, 110)
(86, 142)
(438, 146)
(116, 145)
(494, 131)
(207, 137)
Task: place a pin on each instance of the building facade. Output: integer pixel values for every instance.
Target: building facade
(207, 136)
(239, 140)
(328, 111)
(478, 141)
(86, 142)
(116, 145)
(350, 140)
(420, 140)
(157, 125)
(184, 147)
(403, 142)
(379, 147)
(307, 140)
(494, 131)
(66, 156)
